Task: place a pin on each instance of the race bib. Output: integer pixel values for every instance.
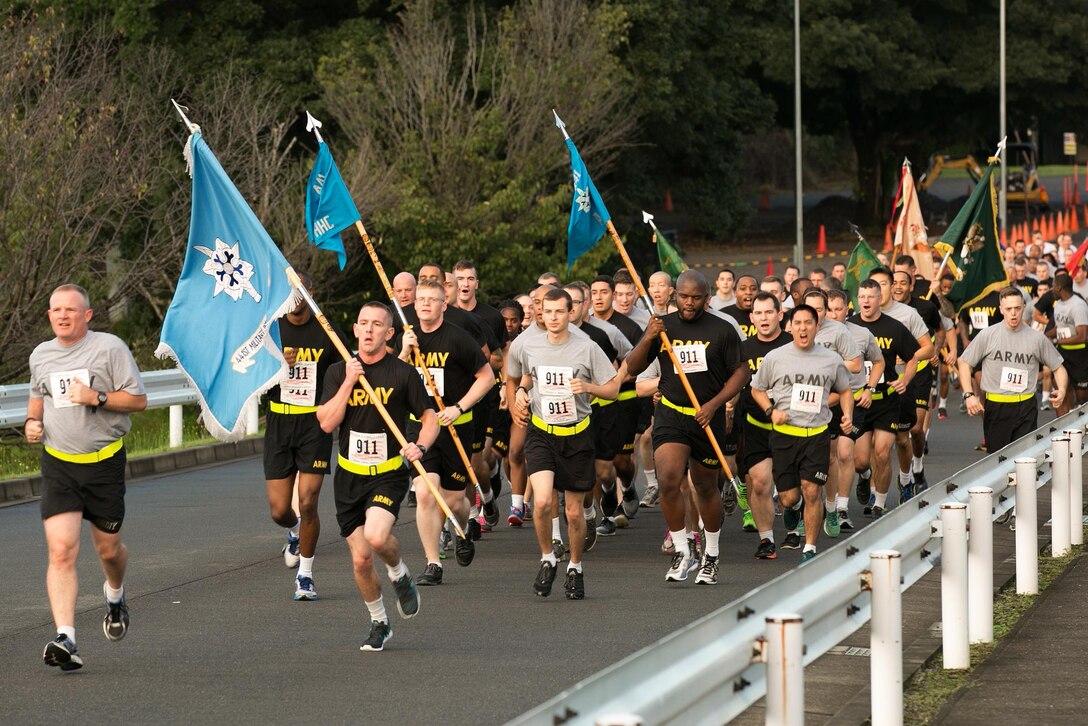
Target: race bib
(1064, 333)
(558, 410)
(979, 319)
(869, 372)
(554, 381)
(438, 375)
(1014, 379)
(1041, 327)
(300, 389)
(367, 449)
(692, 358)
(806, 399)
(60, 386)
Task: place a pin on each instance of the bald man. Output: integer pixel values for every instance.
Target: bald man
(404, 289)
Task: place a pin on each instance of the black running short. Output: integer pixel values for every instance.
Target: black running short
(482, 414)
(1075, 363)
(835, 427)
(1003, 423)
(356, 494)
(908, 413)
(799, 458)
(675, 427)
(883, 415)
(755, 446)
(294, 442)
(921, 388)
(499, 431)
(443, 458)
(97, 490)
(731, 444)
(628, 417)
(645, 415)
(605, 427)
(569, 457)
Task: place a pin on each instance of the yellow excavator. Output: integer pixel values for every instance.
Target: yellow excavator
(1024, 186)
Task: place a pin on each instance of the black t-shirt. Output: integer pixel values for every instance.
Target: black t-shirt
(931, 314)
(363, 432)
(492, 320)
(743, 318)
(753, 350)
(1028, 285)
(1045, 306)
(453, 360)
(467, 322)
(982, 314)
(921, 286)
(630, 329)
(894, 339)
(708, 349)
(314, 353)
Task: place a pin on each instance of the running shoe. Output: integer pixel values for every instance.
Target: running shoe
(484, 526)
(963, 407)
(748, 522)
(630, 502)
(729, 499)
(304, 589)
(920, 483)
(407, 595)
(982, 447)
(906, 492)
(575, 586)
(528, 516)
(868, 510)
(290, 552)
(559, 549)
(807, 555)
(777, 505)
(801, 526)
(380, 633)
(766, 550)
(649, 499)
(680, 567)
(431, 575)
(445, 541)
(742, 493)
(491, 513)
(609, 503)
(411, 498)
(708, 571)
(591, 534)
(61, 651)
(667, 547)
(942, 413)
(464, 550)
(607, 527)
(791, 518)
(878, 512)
(496, 483)
(472, 530)
(115, 624)
(695, 547)
(864, 488)
(832, 527)
(621, 520)
(792, 541)
(844, 520)
(542, 585)
(516, 516)
(1045, 406)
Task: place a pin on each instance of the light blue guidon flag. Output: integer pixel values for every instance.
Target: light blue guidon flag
(220, 326)
(588, 215)
(329, 207)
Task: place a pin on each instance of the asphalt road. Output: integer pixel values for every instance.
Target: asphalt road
(215, 634)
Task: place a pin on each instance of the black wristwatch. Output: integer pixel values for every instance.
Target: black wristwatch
(422, 448)
(768, 411)
(967, 394)
(102, 399)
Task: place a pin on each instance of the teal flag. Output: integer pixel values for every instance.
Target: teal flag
(329, 207)
(588, 215)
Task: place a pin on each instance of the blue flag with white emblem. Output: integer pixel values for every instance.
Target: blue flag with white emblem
(220, 326)
(329, 207)
(588, 215)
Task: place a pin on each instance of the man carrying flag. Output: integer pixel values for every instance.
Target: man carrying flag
(910, 230)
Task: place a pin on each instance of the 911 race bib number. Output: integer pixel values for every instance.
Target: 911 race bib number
(300, 388)
(558, 410)
(367, 449)
(438, 375)
(1014, 379)
(806, 399)
(554, 380)
(60, 386)
(692, 358)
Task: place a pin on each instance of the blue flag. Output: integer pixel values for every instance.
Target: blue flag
(588, 214)
(329, 208)
(220, 326)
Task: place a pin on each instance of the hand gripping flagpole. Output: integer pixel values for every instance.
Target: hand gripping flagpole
(375, 399)
(312, 124)
(665, 342)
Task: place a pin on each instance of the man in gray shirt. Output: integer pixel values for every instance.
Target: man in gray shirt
(92, 384)
(1010, 355)
(558, 375)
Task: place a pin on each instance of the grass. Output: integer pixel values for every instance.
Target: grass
(931, 687)
(150, 434)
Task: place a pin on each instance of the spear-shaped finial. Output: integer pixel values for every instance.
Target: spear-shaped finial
(560, 125)
(648, 218)
(312, 124)
(193, 128)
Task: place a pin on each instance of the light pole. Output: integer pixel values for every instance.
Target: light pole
(799, 251)
(1002, 199)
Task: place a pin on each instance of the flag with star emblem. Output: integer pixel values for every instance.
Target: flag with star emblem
(588, 215)
(220, 326)
(862, 261)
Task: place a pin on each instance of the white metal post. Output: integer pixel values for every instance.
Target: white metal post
(957, 653)
(175, 426)
(1076, 485)
(252, 420)
(1027, 528)
(980, 566)
(886, 638)
(785, 670)
(1059, 496)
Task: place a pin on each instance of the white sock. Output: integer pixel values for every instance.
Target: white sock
(435, 563)
(305, 566)
(769, 534)
(842, 504)
(550, 557)
(881, 499)
(680, 542)
(377, 610)
(488, 496)
(590, 512)
(651, 477)
(517, 500)
(576, 566)
(904, 478)
(942, 403)
(712, 543)
(918, 464)
(112, 595)
(293, 531)
(623, 486)
(829, 505)
(809, 548)
(397, 571)
(69, 630)
(555, 528)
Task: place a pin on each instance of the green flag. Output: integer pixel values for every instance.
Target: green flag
(972, 240)
(668, 257)
(862, 261)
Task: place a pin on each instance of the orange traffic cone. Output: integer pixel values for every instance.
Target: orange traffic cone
(888, 238)
(1074, 223)
(770, 266)
(764, 200)
(1004, 238)
(821, 242)
(668, 201)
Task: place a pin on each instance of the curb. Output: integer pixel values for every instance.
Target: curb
(17, 491)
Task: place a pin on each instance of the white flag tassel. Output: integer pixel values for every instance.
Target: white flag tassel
(187, 149)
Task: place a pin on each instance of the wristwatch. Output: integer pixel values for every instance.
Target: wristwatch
(101, 399)
(967, 394)
(768, 411)
(422, 448)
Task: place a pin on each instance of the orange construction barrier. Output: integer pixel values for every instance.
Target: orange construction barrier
(821, 242)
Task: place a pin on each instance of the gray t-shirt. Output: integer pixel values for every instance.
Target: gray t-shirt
(103, 362)
(729, 319)
(910, 319)
(618, 340)
(638, 314)
(1068, 314)
(799, 382)
(1011, 358)
(834, 336)
(717, 303)
(870, 354)
(552, 367)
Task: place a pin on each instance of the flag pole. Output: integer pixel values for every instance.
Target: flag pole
(312, 124)
(665, 342)
(375, 399)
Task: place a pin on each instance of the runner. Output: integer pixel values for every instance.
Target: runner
(742, 309)
(723, 292)
(1070, 334)
(558, 373)
(370, 480)
(1010, 355)
(709, 352)
(625, 299)
(92, 384)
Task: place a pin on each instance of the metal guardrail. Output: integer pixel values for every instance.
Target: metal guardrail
(164, 388)
(707, 672)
